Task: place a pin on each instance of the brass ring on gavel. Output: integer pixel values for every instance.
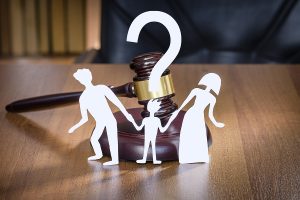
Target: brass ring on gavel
(166, 87)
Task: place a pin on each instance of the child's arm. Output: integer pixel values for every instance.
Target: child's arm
(163, 129)
(169, 122)
(137, 127)
(175, 113)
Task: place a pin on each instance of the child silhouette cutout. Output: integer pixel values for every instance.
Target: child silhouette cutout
(151, 124)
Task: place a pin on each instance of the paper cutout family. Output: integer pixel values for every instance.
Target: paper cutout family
(193, 142)
(193, 146)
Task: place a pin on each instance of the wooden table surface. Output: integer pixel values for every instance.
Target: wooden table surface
(255, 156)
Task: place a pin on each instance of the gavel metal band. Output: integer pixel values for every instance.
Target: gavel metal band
(166, 87)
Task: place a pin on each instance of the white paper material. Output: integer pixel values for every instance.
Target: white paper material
(93, 100)
(193, 146)
(151, 125)
(175, 41)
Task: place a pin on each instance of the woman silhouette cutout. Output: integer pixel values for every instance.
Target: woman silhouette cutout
(193, 141)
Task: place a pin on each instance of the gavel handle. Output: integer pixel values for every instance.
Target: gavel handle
(62, 99)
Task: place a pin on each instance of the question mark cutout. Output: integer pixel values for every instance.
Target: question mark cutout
(175, 42)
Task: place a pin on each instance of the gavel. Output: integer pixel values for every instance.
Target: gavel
(131, 141)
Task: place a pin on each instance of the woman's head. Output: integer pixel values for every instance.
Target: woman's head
(84, 76)
(211, 81)
(153, 106)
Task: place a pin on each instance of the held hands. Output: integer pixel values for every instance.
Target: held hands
(173, 116)
(130, 118)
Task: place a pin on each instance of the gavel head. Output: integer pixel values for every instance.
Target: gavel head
(143, 65)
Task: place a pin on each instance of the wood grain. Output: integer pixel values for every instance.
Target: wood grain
(256, 155)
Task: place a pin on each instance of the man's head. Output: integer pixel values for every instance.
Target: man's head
(153, 106)
(84, 76)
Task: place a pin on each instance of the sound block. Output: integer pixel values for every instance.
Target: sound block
(131, 141)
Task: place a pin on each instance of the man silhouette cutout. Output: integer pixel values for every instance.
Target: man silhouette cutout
(93, 100)
(151, 124)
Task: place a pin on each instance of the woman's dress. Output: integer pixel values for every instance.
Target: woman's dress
(193, 140)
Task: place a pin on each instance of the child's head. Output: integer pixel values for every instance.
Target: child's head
(153, 106)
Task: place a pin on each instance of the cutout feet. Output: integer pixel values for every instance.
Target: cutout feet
(111, 163)
(156, 162)
(95, 157)
(141, 161)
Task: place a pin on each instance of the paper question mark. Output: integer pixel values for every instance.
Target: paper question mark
(175, 42)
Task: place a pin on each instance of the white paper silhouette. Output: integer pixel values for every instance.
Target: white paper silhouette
(151, 125)
(193, 141)
(175, 41)
(93, 100)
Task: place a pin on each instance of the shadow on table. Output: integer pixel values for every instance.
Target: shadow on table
(74, 164)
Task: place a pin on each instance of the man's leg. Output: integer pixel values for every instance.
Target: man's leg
(112, 135)
(95, 142)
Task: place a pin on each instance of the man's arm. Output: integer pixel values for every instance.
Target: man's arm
(114, 99)
(84, 118)
(137, 127)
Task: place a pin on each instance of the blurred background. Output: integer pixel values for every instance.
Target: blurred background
(49, 27)
(94, 31)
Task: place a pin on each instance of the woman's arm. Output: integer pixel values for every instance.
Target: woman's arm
(188, 99)
(175, 113)
(211, 115)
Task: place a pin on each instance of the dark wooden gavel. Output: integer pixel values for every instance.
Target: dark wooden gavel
(142, 65)
(130, 141)
(62, 99)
